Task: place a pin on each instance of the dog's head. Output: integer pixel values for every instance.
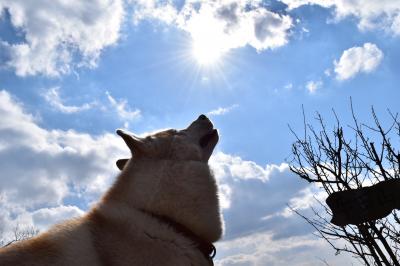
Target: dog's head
(195, 143)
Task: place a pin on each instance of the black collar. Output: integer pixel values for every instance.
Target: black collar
(207, 248)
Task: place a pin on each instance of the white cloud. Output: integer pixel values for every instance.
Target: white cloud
(312, 86)
(288, 86)
(121, 108)
(225, 165)
(45, 217)
(41, 168)
(364, 59)
(249, 192)
(263, 249)
(371, 14)
(40, 219)
(306, 198)
(60, 34)
(218, 26)
(52, 96)
(292, 4)
(328, 72)
(163, 11)
(222, 110)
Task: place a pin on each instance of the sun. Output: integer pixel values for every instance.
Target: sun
(208, 38)
(206, 52)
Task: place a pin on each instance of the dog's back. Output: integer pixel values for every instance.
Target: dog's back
(97, 239)
(65, 244)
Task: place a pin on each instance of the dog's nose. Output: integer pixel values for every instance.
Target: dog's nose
(202, 117)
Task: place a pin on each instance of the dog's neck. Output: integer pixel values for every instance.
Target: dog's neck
(205, 247)
(184, 192)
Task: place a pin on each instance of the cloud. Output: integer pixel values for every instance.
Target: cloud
(163, 11)
(288, 86)
(250, 192)
(371, 14)
(364, 59)
(59, 35)
(305, 199)
(328, 72)
(40, 219)
(121, 108)
(222, 110)
(312, 86)
(52, 96)
(45, 217)
(218, 26)
(43, 168)
(262, 249)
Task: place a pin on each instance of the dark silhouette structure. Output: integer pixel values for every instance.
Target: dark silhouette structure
(365, 204)
(352, 169)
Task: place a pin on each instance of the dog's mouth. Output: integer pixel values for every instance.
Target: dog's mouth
(208, 142)
(206, 136)
(206, 139)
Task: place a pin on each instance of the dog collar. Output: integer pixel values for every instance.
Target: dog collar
(207, 248)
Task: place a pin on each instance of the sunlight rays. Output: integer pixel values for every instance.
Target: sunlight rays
(208, 40)
(206, 53)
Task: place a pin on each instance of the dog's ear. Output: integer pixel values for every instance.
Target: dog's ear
(134, 143)
(121, 163)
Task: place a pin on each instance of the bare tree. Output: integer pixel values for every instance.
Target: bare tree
(19, 234)
(334, 161)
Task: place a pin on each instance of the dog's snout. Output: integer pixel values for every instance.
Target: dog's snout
(202, 117)
(200, 125)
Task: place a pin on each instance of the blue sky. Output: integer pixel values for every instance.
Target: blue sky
(71, 73)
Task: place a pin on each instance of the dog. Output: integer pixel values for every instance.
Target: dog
(161, 210)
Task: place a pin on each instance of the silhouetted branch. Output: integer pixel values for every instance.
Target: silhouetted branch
(336, 162)
(19, 234)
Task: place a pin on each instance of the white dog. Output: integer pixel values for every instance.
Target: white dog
(162, 209)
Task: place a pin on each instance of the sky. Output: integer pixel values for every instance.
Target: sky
(71, 72)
